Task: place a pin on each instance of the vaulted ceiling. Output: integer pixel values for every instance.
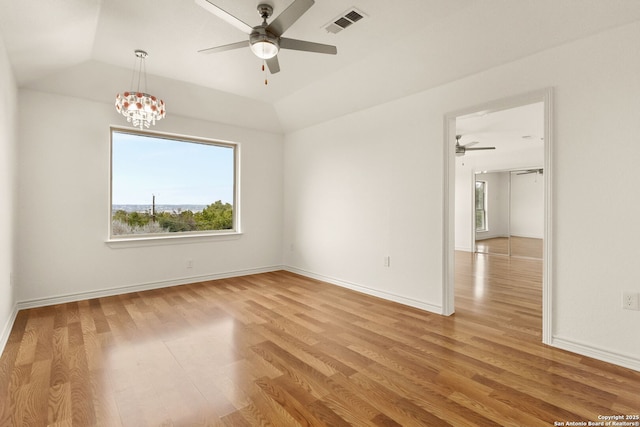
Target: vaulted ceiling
(85, 48)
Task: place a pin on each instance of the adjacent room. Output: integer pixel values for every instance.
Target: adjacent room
(288, 212)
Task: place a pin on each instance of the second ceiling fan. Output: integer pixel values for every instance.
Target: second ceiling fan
(265, 40)
(462, 149)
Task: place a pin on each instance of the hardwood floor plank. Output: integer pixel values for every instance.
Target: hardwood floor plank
(298, 371)
(346, 401)
(285, 350)
(81, 397)
(59, 357)
(130, 408)
(228, 387)
(263, 408)
(343, 354)
(236, 419)
(104, 399)
(320, 361)
(382, 420)
(35, 395)
(59, 406)
(526, 402)
(434, 398)
(27, 350)
(287, 401)
(326, 416)
(494, 411)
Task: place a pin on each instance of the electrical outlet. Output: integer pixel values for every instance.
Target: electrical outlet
(189, 263)
(387, 261)
(630, 301)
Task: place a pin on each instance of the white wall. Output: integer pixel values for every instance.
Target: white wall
(370, 183)
(464, 222)
(363, 187)
(8, 143)
(527, 205)
(64, 205)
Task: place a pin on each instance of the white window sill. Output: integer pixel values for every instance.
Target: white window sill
(164, 239)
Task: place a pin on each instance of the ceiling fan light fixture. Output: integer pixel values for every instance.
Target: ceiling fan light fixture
(264, 46)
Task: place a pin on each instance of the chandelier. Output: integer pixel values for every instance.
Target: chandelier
(141, 109)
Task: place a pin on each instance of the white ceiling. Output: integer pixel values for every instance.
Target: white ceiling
(85, 48)
(43, 37)
(516, 133)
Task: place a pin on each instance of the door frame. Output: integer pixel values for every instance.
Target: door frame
(448, 257)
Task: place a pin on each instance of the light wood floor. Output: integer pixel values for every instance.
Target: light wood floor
(282, 350)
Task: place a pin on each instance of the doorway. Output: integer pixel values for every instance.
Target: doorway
(465, 168)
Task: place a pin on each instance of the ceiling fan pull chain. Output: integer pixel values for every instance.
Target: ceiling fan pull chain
(266, 82)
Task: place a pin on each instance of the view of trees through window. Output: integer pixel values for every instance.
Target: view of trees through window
(161, 184)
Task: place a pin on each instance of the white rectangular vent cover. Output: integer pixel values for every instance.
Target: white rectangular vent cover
(344, 20)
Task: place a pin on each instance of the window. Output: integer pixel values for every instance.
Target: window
(481, 206)
(165, 185)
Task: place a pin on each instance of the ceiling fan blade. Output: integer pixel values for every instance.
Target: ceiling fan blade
(307, 46)
(225, 16)
(469, 144)
(231, 46)
(529, 171)
(290, 15)
(479, 148)
(273, 64)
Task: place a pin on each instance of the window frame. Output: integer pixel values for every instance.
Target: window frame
(177, 236)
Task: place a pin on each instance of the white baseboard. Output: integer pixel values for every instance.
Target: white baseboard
(604, 355)
(369, 291)
(528, 236)
(492, 236)
(6, 330)
(61, 299)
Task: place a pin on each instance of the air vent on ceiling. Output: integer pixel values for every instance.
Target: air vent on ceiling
(343, 21)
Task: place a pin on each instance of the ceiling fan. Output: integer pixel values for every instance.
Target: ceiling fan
(528, 171)
(265, 40)
(462, 149)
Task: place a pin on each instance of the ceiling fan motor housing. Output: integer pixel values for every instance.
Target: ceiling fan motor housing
(264, 44)
(265, 10)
